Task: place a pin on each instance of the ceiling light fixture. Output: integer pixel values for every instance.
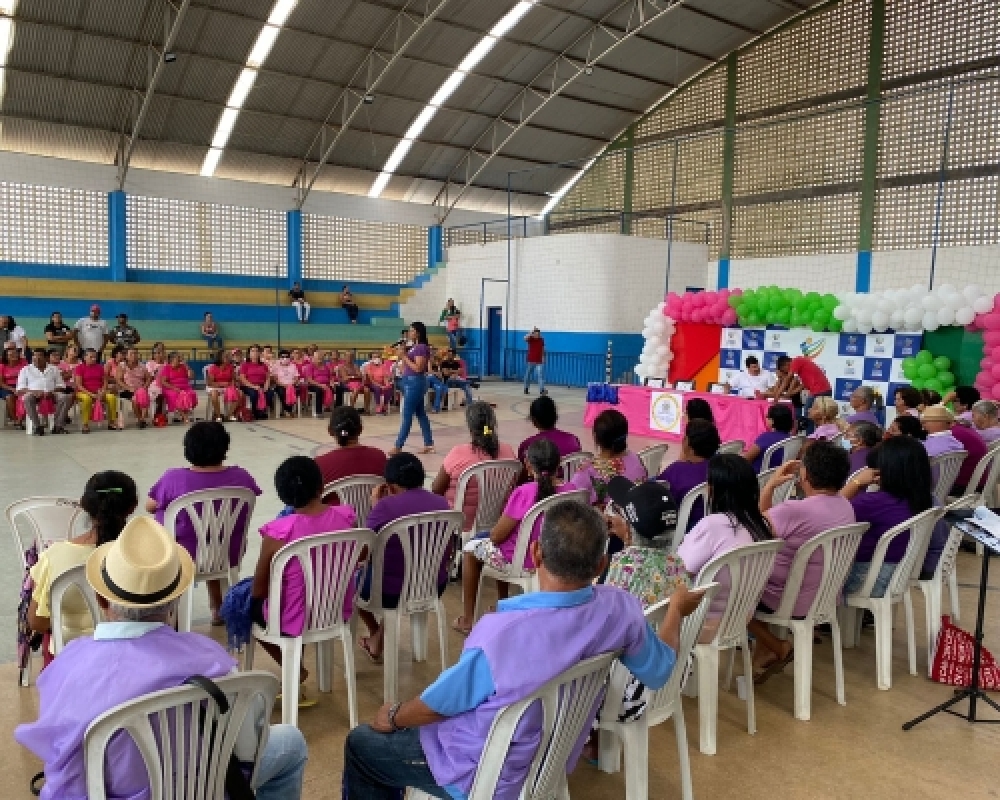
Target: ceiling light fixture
(368, 99)
(554, 201)
(169, 57)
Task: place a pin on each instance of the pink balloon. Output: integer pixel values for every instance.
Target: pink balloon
(991, 338)
(986, 363)
(729, 317)
(995, 370)
(994, 353)
(735, 291)
(996, 302)
(991, 321)
(995, 391)
(724, 294)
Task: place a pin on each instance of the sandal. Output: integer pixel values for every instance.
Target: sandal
(426, 451)
(85, 429)
(304, 700)
(775, 667)
(365, 643)
(459, 628)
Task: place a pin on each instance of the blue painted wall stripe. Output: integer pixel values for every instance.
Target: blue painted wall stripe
(723, 275)
(435, 246)
(117, 241)
(863, 277)
(293, 232)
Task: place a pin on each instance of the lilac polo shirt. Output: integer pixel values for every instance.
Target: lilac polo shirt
(863, 416)
(389, 509)
(683, 476)
(989, 435)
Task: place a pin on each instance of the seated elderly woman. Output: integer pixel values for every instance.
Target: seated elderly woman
(962, 399)
(220, 384)
(862, 402)
(205, 447)
(351, 457)
(908, 401)
(905, 425)
(613, 457)
(701, 442)
(985, 415)
(109, 498)
(780, 423)
(862, 436)
(401, 495)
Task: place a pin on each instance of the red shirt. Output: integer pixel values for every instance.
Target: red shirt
(812, 377)
(223, 374)
(255, 372)
(976, 449)
(536, 350)
(349, 461)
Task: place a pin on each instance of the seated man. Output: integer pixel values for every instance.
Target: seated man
(754, 382)
(39, 381)
(451, 374)
(138, 578)
(434, 742)
(862, 406)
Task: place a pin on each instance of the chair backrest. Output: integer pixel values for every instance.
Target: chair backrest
(660, 703)
(789, 448)
(919, 529)
(425, 539)
(74, 579)
(529, 519)
(946, 563)
(735, 447)
(684, 512)
(328, 562)
(182, 737)
(947, 466)
(567, 703)
(356, 492)
(984, 478)
(568, 465)
(44, 520)
(838, 548)
(749, 568)
(496, 480)
(214, 515)
(782, 493)
(204, 375)
(652, 459)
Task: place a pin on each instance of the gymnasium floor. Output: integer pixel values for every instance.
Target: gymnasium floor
(853, 751)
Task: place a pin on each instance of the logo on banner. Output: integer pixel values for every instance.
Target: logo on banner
(843, 388)
(906, 346)
(666, 412)
(812, 348)
(770, 361)
(732, 339)
(851, 344)
(729, 359)
(775, 341)
(853, 367)
(753, 340)
(880, 346)
(877, 369)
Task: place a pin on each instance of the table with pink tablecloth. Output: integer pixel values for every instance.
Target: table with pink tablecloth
(735, 417)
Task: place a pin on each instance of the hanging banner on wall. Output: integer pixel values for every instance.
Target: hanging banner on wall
(666, 410)
(848, 359)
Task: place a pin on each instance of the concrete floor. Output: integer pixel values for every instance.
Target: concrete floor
(858, 750)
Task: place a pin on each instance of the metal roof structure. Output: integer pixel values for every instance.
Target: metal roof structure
(87, 80)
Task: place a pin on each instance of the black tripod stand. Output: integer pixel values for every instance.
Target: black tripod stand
(973, 692)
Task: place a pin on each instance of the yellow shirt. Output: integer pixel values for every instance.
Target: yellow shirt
(53, 562)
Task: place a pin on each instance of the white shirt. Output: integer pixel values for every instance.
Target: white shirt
(91, 332)
(746, 384)
(34, 380)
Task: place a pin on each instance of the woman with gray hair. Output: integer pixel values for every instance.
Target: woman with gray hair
(861, 436)
(862, 402)
(484, 445)
(985, 415)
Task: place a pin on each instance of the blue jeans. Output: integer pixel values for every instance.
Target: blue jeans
(436, 385)
(452, 383)
(414, 391)
(539, 372)
(213, 342)
(859, 573)
(279, 774)
(453, 339)
(377, 766)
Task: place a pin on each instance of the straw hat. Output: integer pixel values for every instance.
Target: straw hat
(937, 414)
(144, 566)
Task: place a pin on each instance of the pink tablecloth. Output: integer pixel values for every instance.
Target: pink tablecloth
(735, 417)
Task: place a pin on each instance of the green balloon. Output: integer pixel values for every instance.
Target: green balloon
(836, 325)
(818, 327)
(910, 372)
(917, 383)
(735, 301)
(752, 321)
(924, 357)
(814, 297)
(821, 317)
(784, 315)
(942, 363)
(947, 378)
(776, 302)
(926, 371)
(909, 363)
(934, 384)
(830, 302)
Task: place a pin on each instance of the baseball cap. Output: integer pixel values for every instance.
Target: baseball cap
(647, 507)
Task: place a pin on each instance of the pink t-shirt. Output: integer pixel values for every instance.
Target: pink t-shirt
(460, 458)
(798, 521)
(293, 583)
(176, 376)
(320, 374)
(254, 372)
(285, 374)
(518, 504)
(91, 376)
(714, 535)
(379, 374)
(827, 431)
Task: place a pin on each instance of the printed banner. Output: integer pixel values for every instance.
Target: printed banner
(848, 359)
(666, 410)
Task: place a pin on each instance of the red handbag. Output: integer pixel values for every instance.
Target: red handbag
(953, 659)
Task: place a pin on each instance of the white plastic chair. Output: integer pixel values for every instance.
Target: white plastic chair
(735, 447)
(749, 568)
(496, 480)
(185, 750)
(652, 459)
(328, 562)
(517, 575)
(633, 736)
(568, 465)
(989, 464)
(838, 547)
(425, 539)
(208, 394)
(933, 589)
(213, 514)
(789, 448)
(567, 705)
(684, 513)
(44, 520)
(908, 569)
(947, 466)
(70, 579)
(356, 492)
(782, 493)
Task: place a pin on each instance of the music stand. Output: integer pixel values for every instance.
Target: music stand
(991, 544)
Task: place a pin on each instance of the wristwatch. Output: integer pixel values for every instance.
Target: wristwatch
(393, 710)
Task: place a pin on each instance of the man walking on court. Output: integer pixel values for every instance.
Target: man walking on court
(536, 359)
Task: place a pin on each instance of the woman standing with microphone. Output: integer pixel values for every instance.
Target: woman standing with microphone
(415, 358)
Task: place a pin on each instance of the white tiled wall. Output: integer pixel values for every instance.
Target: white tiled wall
(960, 266)
(835, 272)
(428, 301)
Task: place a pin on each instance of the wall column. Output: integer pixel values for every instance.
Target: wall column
(869, 175)
(117, 237)
(728, 172)
(293, 234)
(435, 246)
(626, 226)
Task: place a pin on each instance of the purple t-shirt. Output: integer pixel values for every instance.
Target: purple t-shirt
(180, 481)
(881, 511)
(413, 353)
(764, 441)
(798, 521)
(858, 458)
(862, 416)
(389, 509)
(683, 476)
(518, 504)
(565, 443)
(975, 446)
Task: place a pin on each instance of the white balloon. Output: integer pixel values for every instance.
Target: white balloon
(640, 371)
(864, 318)
(659, 326)
(946, 316)
(964, 316)
(885, 305)
(880, 321)
(841, 312)
(983, 305)
(931, 303)
(912, 318)
(660, 307)
(896, 320)
(971, 292)
(947, 288)
(668, 357)
(662, 350)
(930, 321)
(850, 326)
